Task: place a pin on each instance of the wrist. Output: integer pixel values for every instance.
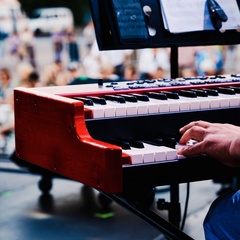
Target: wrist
(235, 151)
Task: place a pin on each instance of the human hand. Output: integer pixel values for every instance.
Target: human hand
(220, 141)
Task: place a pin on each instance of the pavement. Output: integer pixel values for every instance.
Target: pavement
(73, 211)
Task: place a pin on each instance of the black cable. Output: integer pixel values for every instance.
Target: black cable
(186, 206)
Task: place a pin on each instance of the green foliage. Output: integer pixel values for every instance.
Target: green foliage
(80, 8)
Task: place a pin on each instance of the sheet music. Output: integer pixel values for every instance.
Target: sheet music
(187, 15)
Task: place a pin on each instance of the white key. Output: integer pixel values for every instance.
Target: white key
(120, 108)
(174, 105)
(171, 154)
(147, 154)
(162, 153)
(98, 111)
(233, 99)
(152, 107)
(109, 111)
(162, 105)
(147, 107)
(223, 101)
(159, 152)
(131, 108)
(142, 108)
(194, 103)
(214, 102)
(136, 156)
(169, 105)
(204, 102)
(184, 106)
(101, 111)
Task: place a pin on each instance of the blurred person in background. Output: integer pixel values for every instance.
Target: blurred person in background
(186, 61)
(88, 35)
(151, 60)
(209, 60)
(50, 73)
(23, 71)
(187, 72)
(76, 74)
(158, 74)
(130, 73)
(26, 48)
(14, 41)
(117, 58)
(7, 140)
(6, 110)
(32, 80)
(6, 84)
(72, 75)
(72, 45)
(58, 40)
(107, 72)
(3, 46)
(94, 68)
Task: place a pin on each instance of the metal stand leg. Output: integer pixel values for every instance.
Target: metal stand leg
(175, 207)
(166, 228)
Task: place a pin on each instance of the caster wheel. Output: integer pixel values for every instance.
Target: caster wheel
(104, 201)
(45, 185)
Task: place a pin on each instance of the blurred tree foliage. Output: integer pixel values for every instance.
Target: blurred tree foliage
(80, 8)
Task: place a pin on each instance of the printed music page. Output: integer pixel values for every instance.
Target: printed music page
(192, 15)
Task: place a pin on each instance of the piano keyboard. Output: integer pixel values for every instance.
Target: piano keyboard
(150, 154)
(199, 94)
(92, 132)
(159, 102)
(147, 151)
(155, 101)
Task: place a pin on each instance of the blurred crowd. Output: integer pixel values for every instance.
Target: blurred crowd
(151, 63)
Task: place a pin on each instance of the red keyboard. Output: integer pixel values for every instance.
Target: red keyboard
(91, 133)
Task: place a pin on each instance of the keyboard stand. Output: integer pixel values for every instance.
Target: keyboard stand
(144, 212)
(173, 207)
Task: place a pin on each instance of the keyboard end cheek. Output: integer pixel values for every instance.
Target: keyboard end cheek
(126, 159)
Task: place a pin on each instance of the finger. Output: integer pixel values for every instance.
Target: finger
(195, 132)
(195, 149)
(199, 123)
(186, 127)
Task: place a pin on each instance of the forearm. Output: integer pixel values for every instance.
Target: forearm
(234, 151)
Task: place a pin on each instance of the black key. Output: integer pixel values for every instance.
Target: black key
(170, 142)
(155, 141)
(86, 101)
(212, 92)
(141, 97)
(157, 95)
(123, 144)
(187, 93)
(172, 95)
(135, 143)
(200, 93)
(236, 89)
(115, 98)
(226, 90)
(97, 100)
(235, 75)
(128, 98)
